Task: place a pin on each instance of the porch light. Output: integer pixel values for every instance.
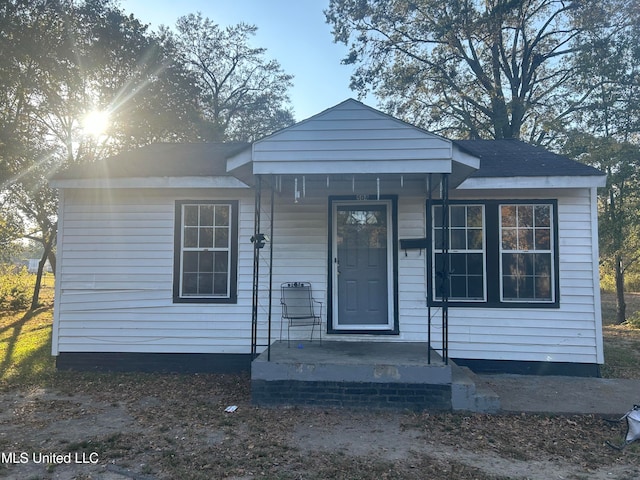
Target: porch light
(259, 239)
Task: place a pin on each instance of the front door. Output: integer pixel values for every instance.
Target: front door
(362, 266)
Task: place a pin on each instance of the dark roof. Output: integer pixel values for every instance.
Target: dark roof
(161, 160)
(514, 158)
(498, 158)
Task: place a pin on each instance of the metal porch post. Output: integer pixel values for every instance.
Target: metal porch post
(270, 268)
(445, 268)
(256, 267)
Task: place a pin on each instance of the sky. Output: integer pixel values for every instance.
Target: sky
(294, 33)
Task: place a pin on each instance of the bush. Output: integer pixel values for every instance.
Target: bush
(633, 320)
(16, 286)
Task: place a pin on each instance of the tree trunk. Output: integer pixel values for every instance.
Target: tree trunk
(621, 306)
(43, 260)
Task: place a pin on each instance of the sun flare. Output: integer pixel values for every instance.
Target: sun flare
(95, 123)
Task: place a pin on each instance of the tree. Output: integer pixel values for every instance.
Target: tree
(243, 95)
(61, 61)
(605, 135)
(619, 204)
(471, 68)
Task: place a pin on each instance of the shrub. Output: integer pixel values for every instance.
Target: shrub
(633, 320)
(16, 286)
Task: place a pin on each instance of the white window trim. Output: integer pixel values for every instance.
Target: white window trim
(435, 251)
(227, 249)
(551, 253)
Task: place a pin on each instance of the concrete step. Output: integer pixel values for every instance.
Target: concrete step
(469, 393)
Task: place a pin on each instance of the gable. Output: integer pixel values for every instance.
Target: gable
(352, 138)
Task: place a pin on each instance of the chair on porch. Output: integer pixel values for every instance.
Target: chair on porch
(299, 308)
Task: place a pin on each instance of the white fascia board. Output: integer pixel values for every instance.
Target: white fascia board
(151, 182)
(240, 159)
(464, 158)
(510, 183)
(337, 167)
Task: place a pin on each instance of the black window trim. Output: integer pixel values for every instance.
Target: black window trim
(177, 253)
(492, 245)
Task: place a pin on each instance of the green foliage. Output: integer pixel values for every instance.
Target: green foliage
(488, 69)
(244, 96)
(16, 287)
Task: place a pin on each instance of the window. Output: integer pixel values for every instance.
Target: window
(500, 253)
(206, 254)
(526, 259)
(466, 253)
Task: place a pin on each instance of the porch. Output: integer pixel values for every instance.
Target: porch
(374, 375)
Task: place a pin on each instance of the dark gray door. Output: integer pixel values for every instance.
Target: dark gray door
(362, 266)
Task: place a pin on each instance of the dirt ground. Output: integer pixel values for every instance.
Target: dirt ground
(133, 426)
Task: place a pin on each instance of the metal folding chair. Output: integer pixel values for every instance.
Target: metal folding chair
(299, 308)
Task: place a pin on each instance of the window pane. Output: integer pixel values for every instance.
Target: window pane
(509, 287)
(510, 264)
(525, 288)
(508, 215)
(543, 239)
(525, 216)
(474, 216)
(543, 216)
(458, 216)
(525, 238)
(526, 264)
(190, 262)
(458, 287)
(509, 239)
(458, 240)
(220, 284)
(475, 287)
(190, 237)
(190, 284)
(437, 216)
(222, 238)
(205, 262)
(191, 215)
(474, 240)
(475, 264)
(206, 215)
(221, 262)
(222, 215)
(205, 284)
(543, 264)
(543, 288)
(438, 239)
(458, 263)
(206, 238)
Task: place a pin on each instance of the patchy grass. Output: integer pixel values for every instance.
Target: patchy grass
(25, 342)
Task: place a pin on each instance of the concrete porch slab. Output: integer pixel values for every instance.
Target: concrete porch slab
(376, 375)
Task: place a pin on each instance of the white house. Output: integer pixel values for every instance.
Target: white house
(156, 268)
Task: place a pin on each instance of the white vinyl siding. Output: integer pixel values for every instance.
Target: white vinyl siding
(352, 138)
(115, 279)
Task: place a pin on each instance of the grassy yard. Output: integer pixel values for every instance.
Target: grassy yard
(25, 342)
